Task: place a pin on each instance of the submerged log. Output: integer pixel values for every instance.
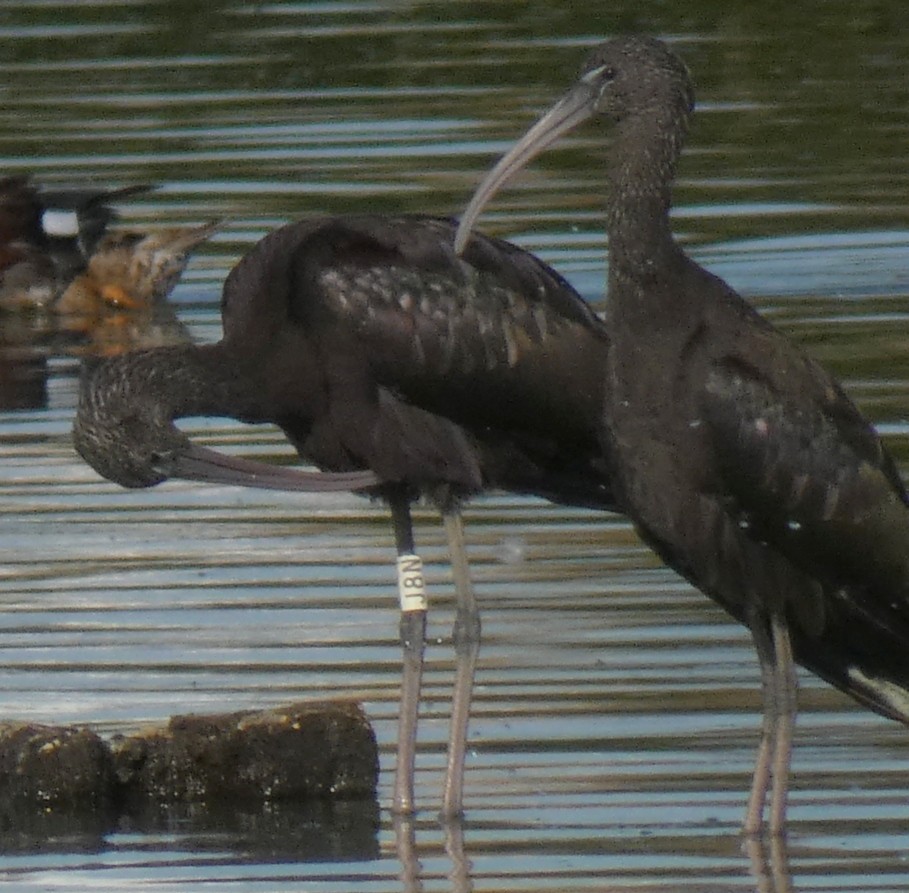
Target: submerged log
(54, 767)
(304, 751)
(298, 752)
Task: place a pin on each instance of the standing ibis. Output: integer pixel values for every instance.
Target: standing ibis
(740, 460)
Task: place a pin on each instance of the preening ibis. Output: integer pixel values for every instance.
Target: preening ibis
(382, 353)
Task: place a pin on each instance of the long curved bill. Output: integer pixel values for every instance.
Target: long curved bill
(197, 463)
(572, 109)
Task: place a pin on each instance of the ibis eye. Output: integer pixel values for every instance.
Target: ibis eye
(600, 73)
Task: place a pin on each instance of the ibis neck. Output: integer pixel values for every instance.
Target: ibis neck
(644, 159)
(194, 380)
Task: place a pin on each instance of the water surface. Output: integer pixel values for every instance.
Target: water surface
(617, 710)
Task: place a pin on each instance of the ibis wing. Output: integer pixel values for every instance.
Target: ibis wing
(809, 477)
(400, 283)
(495, 331)
(808, 474)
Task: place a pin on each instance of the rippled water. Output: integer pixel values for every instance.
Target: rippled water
(617, 710)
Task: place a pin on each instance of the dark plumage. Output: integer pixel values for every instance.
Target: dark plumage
(741, 461)
(374, 346)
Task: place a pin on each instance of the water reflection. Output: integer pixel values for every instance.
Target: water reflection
(766, 862)
(769, 863)
(313, 831)
(29, 343)
(23, 366)
(459, 875)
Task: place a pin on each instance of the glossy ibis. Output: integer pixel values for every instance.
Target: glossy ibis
(740, 460)
(375, 347)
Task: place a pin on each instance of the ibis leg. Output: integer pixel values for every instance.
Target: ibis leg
(780, 695)
(786, 684)
(466, 637)
(413, 643)
(760, 782)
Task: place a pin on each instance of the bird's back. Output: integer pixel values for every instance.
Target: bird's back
(494, 343)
